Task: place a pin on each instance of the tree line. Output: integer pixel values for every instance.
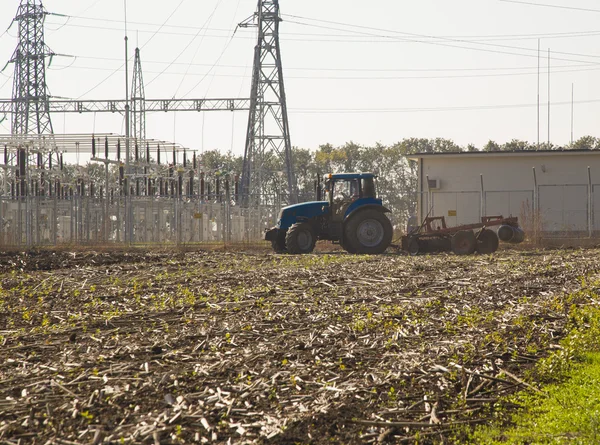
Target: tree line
(397, 175)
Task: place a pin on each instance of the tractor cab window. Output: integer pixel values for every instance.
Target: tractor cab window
(327, 189)
(344, 193)
(346, 190)
(368, 188)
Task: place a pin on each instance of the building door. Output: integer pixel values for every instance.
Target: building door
(563, 209)
(507, 204)
(457, 207)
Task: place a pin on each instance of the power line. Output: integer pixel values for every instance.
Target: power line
(102, 81)
(463, 76)
(8, 79)
(218, 58)
(437, 43)
(211, 68)
(131, 58)
(207, 22)
(90, 7)
(163, 24)
(545, 5)
(147, 62)
(403, 39)
(531, 35)
(429, 109)
(345, 38)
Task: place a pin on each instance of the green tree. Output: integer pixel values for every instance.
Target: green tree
(517, 145)
(585, 143)
(492, 146)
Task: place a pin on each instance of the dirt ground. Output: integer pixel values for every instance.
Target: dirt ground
(158, 347)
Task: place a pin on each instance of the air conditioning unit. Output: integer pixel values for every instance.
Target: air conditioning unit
(434, 184)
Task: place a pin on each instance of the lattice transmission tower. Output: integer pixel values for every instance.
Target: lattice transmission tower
(30, 93)
(268, 126)
(138, 102)
(33, 149)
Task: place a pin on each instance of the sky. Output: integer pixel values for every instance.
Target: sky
(368, 72)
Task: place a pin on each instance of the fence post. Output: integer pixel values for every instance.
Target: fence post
(55, 218)
(590, 204)
(429, 198)
(482, 197)
(536, 209)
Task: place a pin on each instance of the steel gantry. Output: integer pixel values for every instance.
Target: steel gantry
(118, 105)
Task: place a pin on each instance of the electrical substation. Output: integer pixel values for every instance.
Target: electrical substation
(139, 190)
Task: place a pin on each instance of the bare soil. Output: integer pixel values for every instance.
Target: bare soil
(233, 347)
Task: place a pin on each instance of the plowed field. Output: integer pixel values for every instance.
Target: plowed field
(219, 347)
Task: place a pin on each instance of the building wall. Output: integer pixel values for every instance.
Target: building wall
(558, 198)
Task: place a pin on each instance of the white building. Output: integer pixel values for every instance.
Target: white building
(555, 193)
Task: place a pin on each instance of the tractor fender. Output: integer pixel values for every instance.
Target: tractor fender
(377, 207)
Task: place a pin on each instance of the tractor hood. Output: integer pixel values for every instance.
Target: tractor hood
(301, 212)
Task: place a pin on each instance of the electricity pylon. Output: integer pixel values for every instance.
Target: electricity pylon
(30, 93)
(32, 131)
(138, 99)
(268, 126)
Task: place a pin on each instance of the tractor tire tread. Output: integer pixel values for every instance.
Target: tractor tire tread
(351, 228)
(291, 239)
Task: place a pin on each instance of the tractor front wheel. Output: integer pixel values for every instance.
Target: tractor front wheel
(300, 239)
(368, 232)
(278, 244)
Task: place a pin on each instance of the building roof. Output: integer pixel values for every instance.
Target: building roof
(359, 175)
(522, 153)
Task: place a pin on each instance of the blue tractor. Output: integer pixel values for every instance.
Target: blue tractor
(351, 214)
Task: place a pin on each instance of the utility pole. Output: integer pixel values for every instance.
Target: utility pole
(572, 110)
(548, 98)
(538, 97)
(268, 126)
(128, 209)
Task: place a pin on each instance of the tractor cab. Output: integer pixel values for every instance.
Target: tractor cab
(343, 190)
(351, 215)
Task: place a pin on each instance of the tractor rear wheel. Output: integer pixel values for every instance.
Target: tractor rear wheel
(487, 242)
(278, 244)
(347, 247)
(369, 232)
(464, 242)
(300, 239)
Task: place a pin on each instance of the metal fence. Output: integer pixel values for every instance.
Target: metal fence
(546, 211)
(53, 221)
